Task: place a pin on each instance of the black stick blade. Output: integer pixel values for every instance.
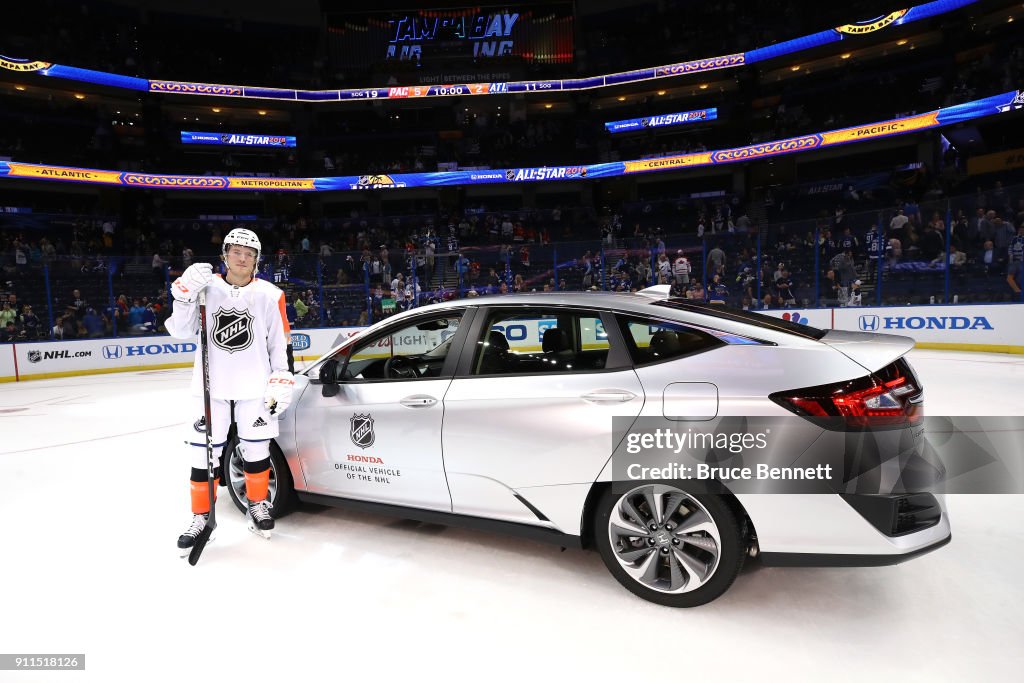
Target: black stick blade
(201, 541)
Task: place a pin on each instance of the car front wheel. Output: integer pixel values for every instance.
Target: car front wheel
(281, 493)
(668, 546)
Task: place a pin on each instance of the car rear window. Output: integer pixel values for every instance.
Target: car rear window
(746, 317)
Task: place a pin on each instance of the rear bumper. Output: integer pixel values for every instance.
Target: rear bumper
(839, 560)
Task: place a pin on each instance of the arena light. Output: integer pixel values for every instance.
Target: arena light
(703, 86)
(547, 106)
(19, 88)
(845, 55)
(79, 96)
(216, 110)
(262, 112)
(795, 68)
(901, 42)
(622, 98)
(661, 92)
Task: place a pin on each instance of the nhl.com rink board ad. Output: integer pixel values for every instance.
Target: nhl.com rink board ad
(992, 328)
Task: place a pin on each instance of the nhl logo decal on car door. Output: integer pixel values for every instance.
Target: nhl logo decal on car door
(361, 430)
(232, 329)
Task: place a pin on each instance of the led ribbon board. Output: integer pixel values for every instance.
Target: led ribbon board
(662, 120)
(814, 40)
(237, 139)
(1006, 102)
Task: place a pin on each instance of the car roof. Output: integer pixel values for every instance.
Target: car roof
(710, 316)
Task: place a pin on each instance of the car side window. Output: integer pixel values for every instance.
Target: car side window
(654, 341)
(416, 351)
(537, 342)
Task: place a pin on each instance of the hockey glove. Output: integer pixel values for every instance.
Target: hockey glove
(279, 392)
(195, 278)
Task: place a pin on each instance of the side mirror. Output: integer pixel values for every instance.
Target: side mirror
(329, 378)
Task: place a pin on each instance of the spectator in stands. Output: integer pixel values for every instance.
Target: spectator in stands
(681, 269)
(93, 324)
(462, 266)
(158, 266)
(873, 242)
(301, 310)
(69, 325)
(1002, 234)
(643, 271)
(716, 260)
(855, 298)
(898, 223)
(718, 293)
(932, 244)
(7, 314)
(1016, 262)
(664, 269)
(830, 290)
(846, 271)
(77, 302)
(784, 289)
(847, 241)
(135, 313)
(148, 325)
(957, 258)
(746, 280)
(29, 323)
(9, 332)
(893, 250)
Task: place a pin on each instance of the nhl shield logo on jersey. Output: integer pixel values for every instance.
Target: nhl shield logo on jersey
(361, 430)
(232, 329)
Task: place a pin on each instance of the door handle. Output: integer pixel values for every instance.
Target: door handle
(418, 401)
(609, 396)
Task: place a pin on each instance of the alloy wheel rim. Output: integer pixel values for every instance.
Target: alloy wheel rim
(664, 539)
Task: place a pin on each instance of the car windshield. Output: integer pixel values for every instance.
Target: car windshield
(746, 317)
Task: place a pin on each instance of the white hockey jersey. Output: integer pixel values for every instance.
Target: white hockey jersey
(248, 335)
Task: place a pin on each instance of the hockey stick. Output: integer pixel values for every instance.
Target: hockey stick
(211, 523)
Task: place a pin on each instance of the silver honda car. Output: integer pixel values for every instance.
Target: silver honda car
(523, 414)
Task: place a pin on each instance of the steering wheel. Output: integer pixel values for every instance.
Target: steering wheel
(399, 367)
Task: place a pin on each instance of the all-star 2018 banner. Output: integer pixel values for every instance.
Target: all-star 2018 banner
(989, 106)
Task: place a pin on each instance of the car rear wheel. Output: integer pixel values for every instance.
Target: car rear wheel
(668, 546)
(281, 493)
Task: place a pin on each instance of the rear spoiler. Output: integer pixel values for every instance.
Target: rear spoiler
(871, 351)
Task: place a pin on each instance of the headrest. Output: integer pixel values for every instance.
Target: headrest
(496, 341)
(554, 340)
(665, 343)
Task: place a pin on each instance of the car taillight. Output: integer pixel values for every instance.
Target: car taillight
(890, 397)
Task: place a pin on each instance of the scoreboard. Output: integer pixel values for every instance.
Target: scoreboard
(461, 39)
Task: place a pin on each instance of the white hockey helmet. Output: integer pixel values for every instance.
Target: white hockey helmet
(243, 238)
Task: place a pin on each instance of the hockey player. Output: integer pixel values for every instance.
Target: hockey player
(250, 380)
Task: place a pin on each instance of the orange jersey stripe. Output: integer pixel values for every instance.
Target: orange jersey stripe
(284, 318)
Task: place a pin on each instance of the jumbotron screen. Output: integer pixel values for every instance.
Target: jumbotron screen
(465, 38)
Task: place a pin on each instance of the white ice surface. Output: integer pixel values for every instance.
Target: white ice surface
(93, 493)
